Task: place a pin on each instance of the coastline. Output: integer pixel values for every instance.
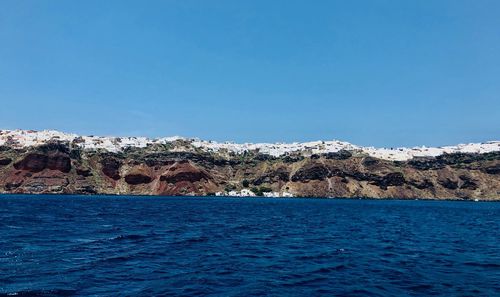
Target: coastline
(245, 197)
(58, 163)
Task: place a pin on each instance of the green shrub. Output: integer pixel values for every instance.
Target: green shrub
(260, 191)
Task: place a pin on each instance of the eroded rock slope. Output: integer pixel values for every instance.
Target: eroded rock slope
(179, 168)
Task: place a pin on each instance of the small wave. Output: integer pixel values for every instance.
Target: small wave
(85, 240)
(13, 227)
(322, 255)
(114, 259)
(129, 237)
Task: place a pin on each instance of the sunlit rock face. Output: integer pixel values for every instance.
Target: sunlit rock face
(55, 162)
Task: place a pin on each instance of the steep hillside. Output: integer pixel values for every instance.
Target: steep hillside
(180, 166)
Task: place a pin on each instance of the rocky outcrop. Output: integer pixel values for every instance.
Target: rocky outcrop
(33, 163)
(111, 167)
(272, 176)
(5, 161)
(394, 179)
(61, 163)
(85, 172)
(136, 179)
(425, 184)
(309, 172)
(168, 170)
(183, 172)
(36, 162)
(370, 161)
(449, 184)
(495, 169)
(139, 175)
(468, 183)
(340, 155)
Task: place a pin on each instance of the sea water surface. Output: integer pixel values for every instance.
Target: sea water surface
(150, 246)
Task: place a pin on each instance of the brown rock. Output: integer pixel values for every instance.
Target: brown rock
(159, 171)
(61, 163)
(425, 184)
(311, 172)
(449, 184)
(391, 179)
(493, 169)
(36, 162)
(111, 167)
(32, 162)
(83, 172)
(183, 172)
(141, 174)
(136, 179)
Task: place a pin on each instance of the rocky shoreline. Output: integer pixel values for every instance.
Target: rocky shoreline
(179, 168)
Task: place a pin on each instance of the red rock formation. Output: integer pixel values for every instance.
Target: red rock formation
(185, 178)
(183, 171)
(139, 175)
(111, 167)
(60, 168)
(36, 162)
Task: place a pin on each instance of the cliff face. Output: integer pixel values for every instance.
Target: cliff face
(64, 167)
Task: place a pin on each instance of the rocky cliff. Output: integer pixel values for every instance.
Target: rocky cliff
(177, 167)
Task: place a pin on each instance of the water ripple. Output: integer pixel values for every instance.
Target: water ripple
(141, 246)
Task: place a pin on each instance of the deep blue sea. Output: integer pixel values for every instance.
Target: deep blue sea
(154, 246)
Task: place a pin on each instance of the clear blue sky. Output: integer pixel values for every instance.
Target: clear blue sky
(383, 73)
